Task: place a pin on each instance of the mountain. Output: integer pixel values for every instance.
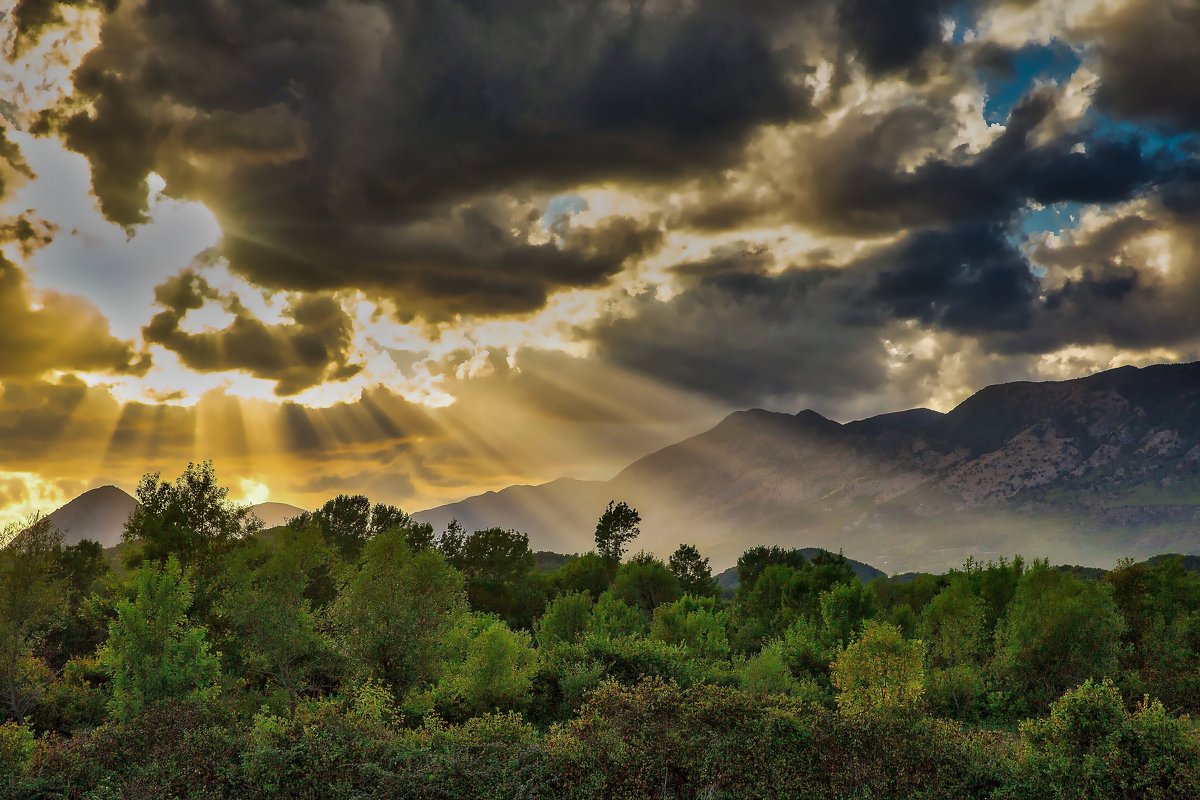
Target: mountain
(98, 514)
(275, 514)
(1082, 471)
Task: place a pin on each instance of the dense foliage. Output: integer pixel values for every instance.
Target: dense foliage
(355, 654)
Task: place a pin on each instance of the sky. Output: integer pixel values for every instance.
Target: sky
(420, 249)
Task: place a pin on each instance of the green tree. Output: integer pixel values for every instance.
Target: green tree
(275, 637)
(880, 672)
(396, 611)
(190, 518)
(771, 604)
(586, 573)
(347, 522)
(752, 563)
(617, 527)
(565, 620)
(1160, 603)
(500, 578)
(1091, 746)
(33, 607)
(807, 653)
(496, 674)
(695, 623)
(844, 608)
(692, 571)
(1058, 632)
(645, 583)
(954, 629)
(995, 582)
(80, 569)
(767, 672)
(781, 586)
(153, 652)
(613, 618)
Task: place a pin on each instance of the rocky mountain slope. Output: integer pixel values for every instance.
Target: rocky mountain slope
(1082, 471)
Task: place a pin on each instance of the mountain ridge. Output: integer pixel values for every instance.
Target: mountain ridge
(1085, 470)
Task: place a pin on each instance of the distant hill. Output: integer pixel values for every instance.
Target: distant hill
(275, 514)
(98, 514)
(1083, 471)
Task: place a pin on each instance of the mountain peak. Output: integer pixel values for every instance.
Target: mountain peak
(98, 514)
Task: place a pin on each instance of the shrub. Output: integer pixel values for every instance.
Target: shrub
(495, 675)
(16, 750)
(881, 672)
(153, 652)
(1091, 746)
(656, 739)
(565, 619)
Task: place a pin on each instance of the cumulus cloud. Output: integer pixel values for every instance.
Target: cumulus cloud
(1149, 63)
(358, 145)
(312, 347)
(53, 331)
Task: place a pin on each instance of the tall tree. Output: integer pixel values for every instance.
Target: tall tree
(275, 638)
(692, 571)
(154, 652)
(33, 605)
(645, 583)
(499, 570)
(1058, 632)
(190, 518)
(617, 527)
(347, 522)
(396, 611)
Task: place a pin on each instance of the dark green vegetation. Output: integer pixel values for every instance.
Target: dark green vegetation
(356, 654)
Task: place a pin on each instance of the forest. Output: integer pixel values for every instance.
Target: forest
(357, 653)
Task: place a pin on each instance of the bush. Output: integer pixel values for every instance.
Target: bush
(881, 672)
(656, 739)
(16, 750)
(1090, 746)
(171, 750)
(324, 751)
(495, 675)
(565, 619)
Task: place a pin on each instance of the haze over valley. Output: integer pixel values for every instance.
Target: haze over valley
(1083, 472)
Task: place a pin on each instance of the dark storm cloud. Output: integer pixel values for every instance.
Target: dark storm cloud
(969, 279)
(1149, 62)
(409, 149)
(11, 160)
(741, 334)
(313, 349)
(856, 181)
(346, 144)
(890, 36)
